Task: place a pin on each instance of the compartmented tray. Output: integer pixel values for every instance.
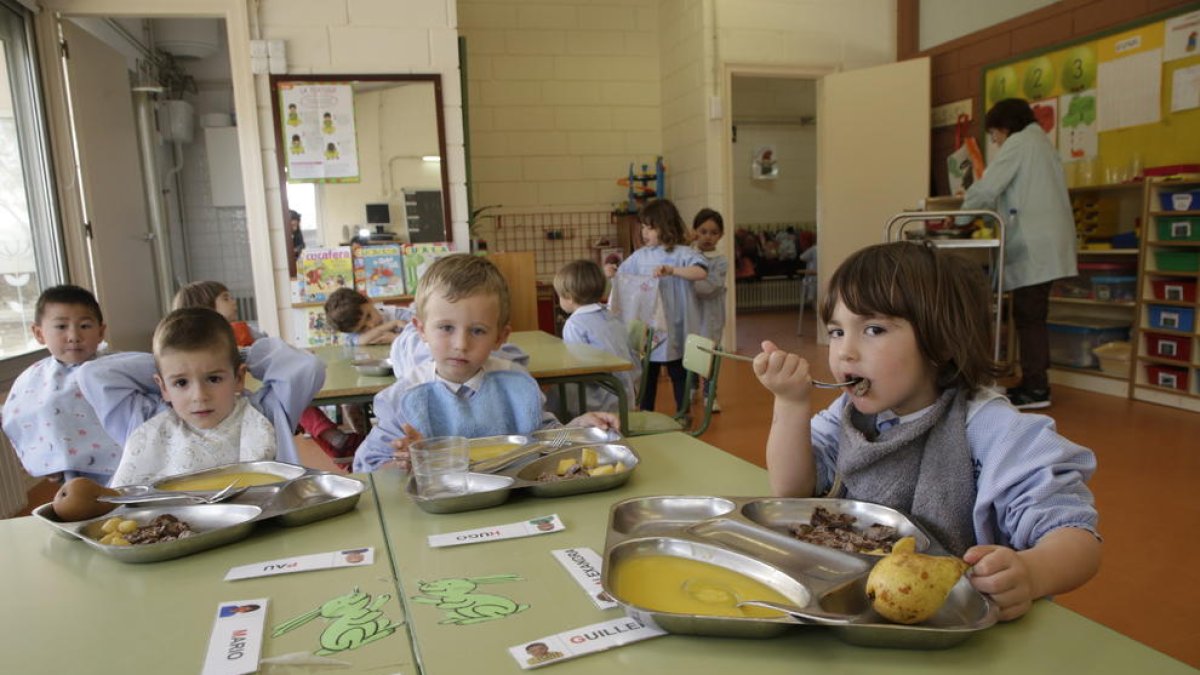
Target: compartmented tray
(539, 455)
(301, 496)
(751, 536)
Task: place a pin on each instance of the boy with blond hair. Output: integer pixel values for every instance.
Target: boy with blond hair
(53, 429)
(462, 314)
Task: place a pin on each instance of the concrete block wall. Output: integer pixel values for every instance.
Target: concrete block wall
(687, 84)
(369, 37)
(563, 96)
(958, 65)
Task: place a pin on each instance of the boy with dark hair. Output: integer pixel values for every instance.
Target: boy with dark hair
(55, 432)
(364, 322)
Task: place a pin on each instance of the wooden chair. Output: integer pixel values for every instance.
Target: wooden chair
(699, 363)
(641, 339)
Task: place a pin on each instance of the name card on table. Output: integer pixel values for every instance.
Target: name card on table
(351, 557)
(583, 564)
(237, 636)
(525, 528)
(597, 637)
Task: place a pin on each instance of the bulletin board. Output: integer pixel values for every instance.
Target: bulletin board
(1114, 103)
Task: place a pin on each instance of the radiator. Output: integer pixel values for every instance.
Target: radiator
(247, 309)
(768, 294)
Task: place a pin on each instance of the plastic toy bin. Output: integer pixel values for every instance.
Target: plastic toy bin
(1174, 289)
(1114, 358)
(1182, 200)
(1112, 282)
(1072, 340)
(1171, 377)
(1178, 228)
(1169, 346)
(1177, 261)
(1172, 318)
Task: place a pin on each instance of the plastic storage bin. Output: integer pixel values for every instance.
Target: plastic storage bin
(1171, 377)
(1177, 261)
(1178, 228)
(1174, 289)
(1072, 340)
(1114, 358)
(1169, 346)
(1172, 318)
(1114, 289)
(1110, 281)
(1182, 200)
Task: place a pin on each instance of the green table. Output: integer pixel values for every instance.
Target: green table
(1051, 639)
(70, 609)
(551, 362)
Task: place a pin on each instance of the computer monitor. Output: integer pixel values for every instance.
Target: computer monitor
(378, 214)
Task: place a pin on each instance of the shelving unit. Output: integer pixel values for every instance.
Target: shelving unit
(1102, 211)
(1167, 363)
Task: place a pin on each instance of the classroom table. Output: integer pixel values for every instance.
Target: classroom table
(551, 362)
(1050, 639)
(70, 609)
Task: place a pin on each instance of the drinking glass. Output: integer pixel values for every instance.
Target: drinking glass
(439, 466)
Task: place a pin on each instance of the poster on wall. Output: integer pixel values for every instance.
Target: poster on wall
(1046, 113)
(1182, 36)
(318, 132)
(764, 165)
(1077, 137)
(1130, 78)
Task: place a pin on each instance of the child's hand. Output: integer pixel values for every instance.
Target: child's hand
(610, 270)
(664, 271)
(601, 420)
(783, 374)
(1002, 574)
(400, 448)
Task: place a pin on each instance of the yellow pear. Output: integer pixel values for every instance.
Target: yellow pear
(909, 587)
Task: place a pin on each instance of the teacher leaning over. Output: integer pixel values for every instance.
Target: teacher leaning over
(1024, 182)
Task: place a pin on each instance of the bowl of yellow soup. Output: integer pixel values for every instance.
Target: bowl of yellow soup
(491, 447)
(247, 474)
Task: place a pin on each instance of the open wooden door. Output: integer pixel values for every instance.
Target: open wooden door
(111, 184)
(872, 155)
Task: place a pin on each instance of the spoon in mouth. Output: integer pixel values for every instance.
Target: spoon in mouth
(861, 385)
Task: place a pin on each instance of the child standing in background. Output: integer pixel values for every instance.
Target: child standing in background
(364, 322)
(580, 286)
(462, 313)
(325, 433)
(677, 266)
(55, 432)
(183, 409)
(708, 227)
(927, 435)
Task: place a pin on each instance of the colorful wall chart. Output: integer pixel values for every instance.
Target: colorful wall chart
(319, 142)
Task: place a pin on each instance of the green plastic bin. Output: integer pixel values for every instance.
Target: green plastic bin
(1177, 261)
(1178, 228)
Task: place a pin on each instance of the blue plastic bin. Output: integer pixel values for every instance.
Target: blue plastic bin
(1172, 318)
(1183, 200)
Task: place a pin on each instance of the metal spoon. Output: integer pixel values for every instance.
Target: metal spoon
(229, 492)
(802, 615)
(852, 382)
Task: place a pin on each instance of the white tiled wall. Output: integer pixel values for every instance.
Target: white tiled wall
(563, 97)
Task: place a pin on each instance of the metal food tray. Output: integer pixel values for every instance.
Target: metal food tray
(373, 367)
(485, 490)
(304, 496)
(751, 536)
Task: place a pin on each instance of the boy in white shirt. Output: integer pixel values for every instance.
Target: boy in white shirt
(364, 322)
(184, 408)
(55, 432)
(462, 313)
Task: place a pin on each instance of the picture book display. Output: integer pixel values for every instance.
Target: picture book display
(379, 270)
(316, 330)
(324, 270)
(418, 257)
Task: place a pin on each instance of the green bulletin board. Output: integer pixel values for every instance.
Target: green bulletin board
(1098, 100)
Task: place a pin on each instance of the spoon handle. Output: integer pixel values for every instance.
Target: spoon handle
(750, 359)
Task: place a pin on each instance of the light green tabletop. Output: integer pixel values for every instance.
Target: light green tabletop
(1050, 639)
(70, 609)
(550, 359)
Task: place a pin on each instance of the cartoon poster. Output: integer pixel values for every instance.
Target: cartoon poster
(319, 142)
(1077, 135)
(1182, 36)
(1129, 78)
(1046, 112)
(764, 164)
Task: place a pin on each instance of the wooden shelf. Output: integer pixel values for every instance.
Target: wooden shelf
(1100, 303)
(383, 299)
(1168, 331)
(1158, 360)
(1171, 273)
(1108, 251)
(1173, 303)
(1168, 390)
(1174, 243)
(1155, 214)
(1108, 187)
(1089, 371)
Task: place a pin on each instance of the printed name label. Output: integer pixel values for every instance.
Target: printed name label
(526, 528)
(583, 564)
(235, 644)
(350, 557)
(597, 637)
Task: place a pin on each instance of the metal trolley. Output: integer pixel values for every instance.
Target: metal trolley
(897, 225)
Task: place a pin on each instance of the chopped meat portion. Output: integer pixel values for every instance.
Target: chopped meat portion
(163, 528)
(836, 530)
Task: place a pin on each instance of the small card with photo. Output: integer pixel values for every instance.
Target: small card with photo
(590, 639)
(351, 557)
(583, 564)
(236, 642)
(525, 528)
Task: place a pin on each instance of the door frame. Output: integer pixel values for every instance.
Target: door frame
(729, 70)
(237, 29)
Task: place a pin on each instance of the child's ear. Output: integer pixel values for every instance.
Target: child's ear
(420, 325)
(36, 328)
(505, 331)
(162, 387)
(103, 330)
(239, 375)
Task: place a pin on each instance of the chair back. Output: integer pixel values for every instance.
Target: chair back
(700, 362)
(641, 338)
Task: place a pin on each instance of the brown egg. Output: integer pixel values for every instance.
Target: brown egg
(76, 499)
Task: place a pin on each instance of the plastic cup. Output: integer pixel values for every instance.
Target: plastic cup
(439, 466)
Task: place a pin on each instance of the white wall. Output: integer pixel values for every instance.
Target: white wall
(563, 97)
(781, 113)
(687, 82)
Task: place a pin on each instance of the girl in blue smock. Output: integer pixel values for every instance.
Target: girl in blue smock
(677, 267)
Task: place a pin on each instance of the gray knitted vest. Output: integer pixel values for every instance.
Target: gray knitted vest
(923, 468)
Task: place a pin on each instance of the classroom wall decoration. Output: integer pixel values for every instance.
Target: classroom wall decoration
(1115, 103)
(319, 141)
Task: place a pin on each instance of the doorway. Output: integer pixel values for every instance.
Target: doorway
(773, 173)
(156, 155)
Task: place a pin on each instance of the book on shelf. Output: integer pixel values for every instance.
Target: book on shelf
(324, 270)
(379, 270)
(418, 257)
(316, 330)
